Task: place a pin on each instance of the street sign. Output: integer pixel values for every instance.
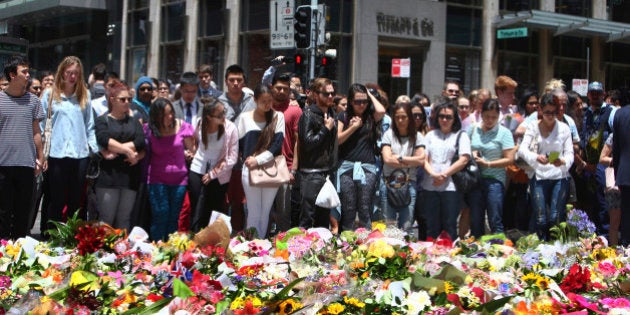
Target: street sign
(580, 86)
(512, 33)
(401, 68)
(281, 24)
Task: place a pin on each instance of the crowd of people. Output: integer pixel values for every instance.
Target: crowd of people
(167, 155)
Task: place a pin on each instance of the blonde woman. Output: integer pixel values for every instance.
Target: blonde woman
(72, 137)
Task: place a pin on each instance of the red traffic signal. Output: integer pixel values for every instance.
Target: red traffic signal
(299, 59)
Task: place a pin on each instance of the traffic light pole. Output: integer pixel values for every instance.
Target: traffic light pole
(314, 35)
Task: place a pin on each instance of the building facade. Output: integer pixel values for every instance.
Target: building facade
(453, 39)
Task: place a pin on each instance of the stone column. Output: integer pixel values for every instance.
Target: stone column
(545, 38)
(232, 33)
(123, 39)
(488, 60)
(597, 70)
(190, 52)
(153, 49)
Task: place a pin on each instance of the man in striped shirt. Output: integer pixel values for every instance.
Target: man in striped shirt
(21, 156)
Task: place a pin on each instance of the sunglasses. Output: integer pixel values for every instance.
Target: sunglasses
(327, 94)
(360, 102)
(125, 99)
(446, 117)
(146, 89)
(36, 87)
(418, 115)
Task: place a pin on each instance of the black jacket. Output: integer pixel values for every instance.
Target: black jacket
(317, 144)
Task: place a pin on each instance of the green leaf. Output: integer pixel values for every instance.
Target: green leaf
(452, 274)
(494, 305)
(180, 289)
(149, 310)
(425, 283)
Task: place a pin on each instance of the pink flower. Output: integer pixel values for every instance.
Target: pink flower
(607, 268)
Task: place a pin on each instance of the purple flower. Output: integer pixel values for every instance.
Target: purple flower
(530, 258)
(579, 219)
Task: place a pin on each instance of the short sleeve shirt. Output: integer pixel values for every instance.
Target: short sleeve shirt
(490, 145)
(359, 147)
(168, 163)
(401, 148)
(440, 149)
(17, 114)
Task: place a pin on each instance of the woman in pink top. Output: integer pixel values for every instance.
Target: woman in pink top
(167, 138)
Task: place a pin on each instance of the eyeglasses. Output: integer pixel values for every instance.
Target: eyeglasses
(125, 99)
(360, 102)
(550, 113)
(327, 94)
(446, 117)
(418, 116)
(146, 89)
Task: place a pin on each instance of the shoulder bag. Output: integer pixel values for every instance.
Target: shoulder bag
(533, 147)
(271, 174)
(397, 185)
(470, 175)
(48, 128)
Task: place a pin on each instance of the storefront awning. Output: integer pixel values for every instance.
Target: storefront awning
(19, 11)
(564, 24)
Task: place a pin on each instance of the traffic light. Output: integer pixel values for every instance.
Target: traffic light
(299, 65)
(302, 25)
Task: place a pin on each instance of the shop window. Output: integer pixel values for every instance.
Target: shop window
(572, 47)
(518, 5)
(523, 68)
(617, 76)
(568, 69)
(574, 7)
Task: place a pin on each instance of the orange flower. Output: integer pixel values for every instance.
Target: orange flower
(282, 253)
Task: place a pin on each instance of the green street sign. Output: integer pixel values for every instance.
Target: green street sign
(512, 33)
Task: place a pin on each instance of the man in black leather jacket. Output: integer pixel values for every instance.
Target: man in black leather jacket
(317, 152)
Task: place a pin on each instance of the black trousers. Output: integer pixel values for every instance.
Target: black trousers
(310, 214)
(66, 180)
(17, 185)
(204, 199)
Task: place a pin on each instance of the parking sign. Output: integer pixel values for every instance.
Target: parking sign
(281, 24)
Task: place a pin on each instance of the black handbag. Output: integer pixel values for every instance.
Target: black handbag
(469, 176)
(398, 194)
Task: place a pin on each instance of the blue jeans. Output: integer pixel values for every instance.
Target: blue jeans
(166, 203)
(549, 200)
(488, 196)
(405, 214)
(440, 211)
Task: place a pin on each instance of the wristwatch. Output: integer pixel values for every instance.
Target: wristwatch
(400, 158)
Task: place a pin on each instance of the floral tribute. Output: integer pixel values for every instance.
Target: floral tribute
(91, 268)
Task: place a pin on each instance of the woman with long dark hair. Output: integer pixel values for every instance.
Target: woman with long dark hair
(211, 167)
(403, 151)
(550, 163)
(260, 132)
(167, 137)
(72, 140)
(358, 132)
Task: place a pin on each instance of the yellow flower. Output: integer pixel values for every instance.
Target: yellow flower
(380, 248)
(542, 283)
(603, 253)
(13, 250)
(238, 303)
(289, 306)
(353, 301)
(448, 287)
(379, 226)
(335, 308)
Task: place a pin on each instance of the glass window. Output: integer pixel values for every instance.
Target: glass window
(138, 63)
(569, 69)
(523, 44)
(139, 4)
(338, 15)
(462, 65)
(568, 46)
(398, 86)
(138, 27)
(617, 76)
(523, 68)
(256, 57)
(173, 22)
(574, 7)
(463, 26)
(619, 11)
(210, 53)
(172, 61)
(211, 19)
(255, 15)
(518, 5)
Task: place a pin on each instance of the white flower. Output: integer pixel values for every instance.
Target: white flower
(417, 302)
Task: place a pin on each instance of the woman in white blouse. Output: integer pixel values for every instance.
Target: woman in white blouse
(547, 147)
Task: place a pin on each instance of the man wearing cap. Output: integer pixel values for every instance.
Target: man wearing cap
(595, 131)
